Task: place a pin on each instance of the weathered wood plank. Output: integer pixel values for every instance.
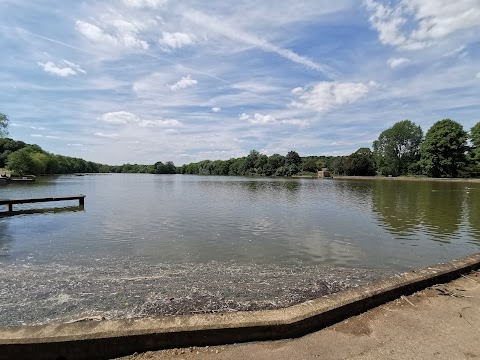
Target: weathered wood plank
(80, 198)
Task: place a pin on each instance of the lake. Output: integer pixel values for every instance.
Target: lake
(147, 245)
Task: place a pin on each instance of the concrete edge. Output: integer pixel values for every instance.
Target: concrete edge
(115, 338)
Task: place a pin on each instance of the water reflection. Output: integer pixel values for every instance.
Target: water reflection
(158, 218)
(473, 204)
(43, 210)
(436, 208)
(5, 239)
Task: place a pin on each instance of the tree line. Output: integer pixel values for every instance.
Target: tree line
(446, 150)
(22, 159)
(256, 163)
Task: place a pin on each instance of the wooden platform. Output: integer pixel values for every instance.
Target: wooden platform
(11, 202)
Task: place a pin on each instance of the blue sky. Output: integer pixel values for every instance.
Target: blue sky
(142, 81)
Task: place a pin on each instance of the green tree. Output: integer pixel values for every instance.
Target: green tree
(360, 163)
(339, 165)
(170, 167)
(21, 161)
(293, 163)
(3, 125)
(475, 138)
(397, 148)
(444, 148)
(309, 164)
(293, 158)
(276, 161)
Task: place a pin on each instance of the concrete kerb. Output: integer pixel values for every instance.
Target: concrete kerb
(115, 338)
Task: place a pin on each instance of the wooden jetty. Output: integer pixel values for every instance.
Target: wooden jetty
(11, 202)
(16, 179)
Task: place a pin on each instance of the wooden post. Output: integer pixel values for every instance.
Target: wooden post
(10, 207)
(81, 201)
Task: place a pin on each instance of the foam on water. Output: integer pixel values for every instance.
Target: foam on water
(35, 293)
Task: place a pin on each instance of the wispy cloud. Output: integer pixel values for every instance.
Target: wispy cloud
(221, 28)
(45, 136)
(175, 40)
(63, 68)
(125, 117)
(416, 24)
(154, 4)
(113, 32)
(183, 83)
(259, 119)
(120, 117)
(104, 135)
(396, 62)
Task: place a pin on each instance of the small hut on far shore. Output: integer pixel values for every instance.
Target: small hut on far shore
(324, 173)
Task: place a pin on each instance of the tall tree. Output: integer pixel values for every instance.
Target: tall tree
(293, 158)
(397, 148)
(475, 138)
(360, 163)
(3, 125)
(293, 162)
(444, 148)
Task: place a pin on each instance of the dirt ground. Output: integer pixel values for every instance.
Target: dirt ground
(442, 322)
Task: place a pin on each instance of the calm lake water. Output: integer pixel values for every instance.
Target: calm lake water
(166, 244)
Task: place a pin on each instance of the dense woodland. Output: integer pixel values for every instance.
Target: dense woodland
(446, 150)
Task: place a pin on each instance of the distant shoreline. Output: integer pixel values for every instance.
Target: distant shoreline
(405, 178)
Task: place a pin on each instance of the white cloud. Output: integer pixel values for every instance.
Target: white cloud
(116, 33)
(120, 117)
(325, 95)
(175, 40)
(145, 3)
(374, 85)
(428, 20)
(74, 66)
(459, 51)
(258, 119)
(183, 83)
(107, 136)
(125, 117)
(95, 34)
(395, 62)
(296, 122)
(45, 136)
(256, 87)
(75, 145)
(222, 28)
(64, 68)
(159, 123)
(297, 90)
(216, 109)
(478, 75)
